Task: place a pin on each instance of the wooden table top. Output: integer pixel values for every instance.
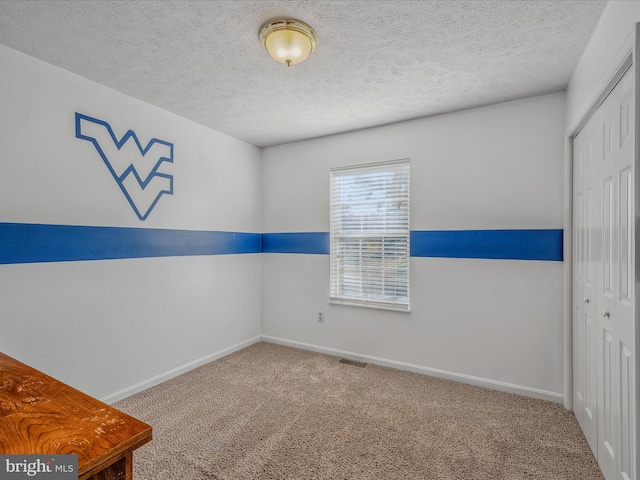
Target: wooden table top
(41, 415)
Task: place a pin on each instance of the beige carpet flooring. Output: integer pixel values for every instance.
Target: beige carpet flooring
(273, 412)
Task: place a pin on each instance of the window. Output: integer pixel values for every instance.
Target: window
(370, 235)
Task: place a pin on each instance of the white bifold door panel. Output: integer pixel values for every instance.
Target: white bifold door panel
(584, 280)
(604, 281)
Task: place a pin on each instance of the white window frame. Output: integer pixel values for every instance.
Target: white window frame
(378, 277)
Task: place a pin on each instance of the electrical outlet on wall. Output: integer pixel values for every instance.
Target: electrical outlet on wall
(321, 316)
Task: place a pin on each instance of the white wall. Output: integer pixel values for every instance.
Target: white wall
(603, 53)
(105, 326)
(493, 322)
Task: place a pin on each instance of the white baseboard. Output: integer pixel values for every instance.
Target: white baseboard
(434, 372)
(163, 377)
(458, 377)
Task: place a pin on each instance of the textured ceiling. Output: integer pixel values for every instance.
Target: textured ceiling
(377, 62)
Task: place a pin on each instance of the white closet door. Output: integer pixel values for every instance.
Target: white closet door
(606, 188)
(604, 282)
(584, 320)
(624, 308)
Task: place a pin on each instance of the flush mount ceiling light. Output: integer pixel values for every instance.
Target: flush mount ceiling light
(287, 40)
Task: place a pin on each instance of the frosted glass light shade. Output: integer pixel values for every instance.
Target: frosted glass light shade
(288, 41)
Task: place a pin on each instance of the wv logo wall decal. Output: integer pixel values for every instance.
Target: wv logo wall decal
(134, 168)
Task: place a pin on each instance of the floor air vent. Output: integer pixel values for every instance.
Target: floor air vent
(353, 362)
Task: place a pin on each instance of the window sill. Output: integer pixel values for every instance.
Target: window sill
(402, 308)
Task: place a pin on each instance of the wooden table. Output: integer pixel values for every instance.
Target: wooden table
(40, 415)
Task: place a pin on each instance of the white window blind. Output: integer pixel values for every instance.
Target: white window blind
(370, 235)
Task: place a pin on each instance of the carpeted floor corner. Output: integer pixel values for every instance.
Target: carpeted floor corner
(274, 412)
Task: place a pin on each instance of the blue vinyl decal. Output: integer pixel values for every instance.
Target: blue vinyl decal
(489, 244)
(296, 242)
(136, 169)
(35, 243)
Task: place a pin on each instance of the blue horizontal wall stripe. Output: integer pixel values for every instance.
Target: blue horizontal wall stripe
(491, 244)
(32, 243)
(296, 242)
